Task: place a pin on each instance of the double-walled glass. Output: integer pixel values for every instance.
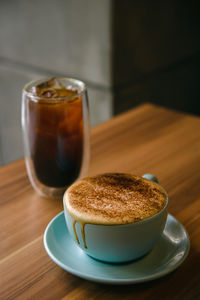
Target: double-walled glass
(56, 135)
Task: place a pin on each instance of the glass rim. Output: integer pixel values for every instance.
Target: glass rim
(33, 97)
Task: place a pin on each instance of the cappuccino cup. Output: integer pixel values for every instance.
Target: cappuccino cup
(116, 217)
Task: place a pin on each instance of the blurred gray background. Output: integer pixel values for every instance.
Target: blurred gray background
(127, 52)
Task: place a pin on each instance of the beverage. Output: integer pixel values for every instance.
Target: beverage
(114, 200)
(54, 133)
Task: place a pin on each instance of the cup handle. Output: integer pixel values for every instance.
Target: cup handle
(151, 177)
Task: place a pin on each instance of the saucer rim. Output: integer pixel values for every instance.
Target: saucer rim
(109, 280)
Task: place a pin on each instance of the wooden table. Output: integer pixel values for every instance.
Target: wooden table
(148, 139)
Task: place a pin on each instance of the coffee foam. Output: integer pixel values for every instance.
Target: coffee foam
(114, 198)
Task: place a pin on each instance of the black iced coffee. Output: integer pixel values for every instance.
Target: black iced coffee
(55, 132)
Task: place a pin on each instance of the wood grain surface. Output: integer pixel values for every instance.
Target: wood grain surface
(148, 139)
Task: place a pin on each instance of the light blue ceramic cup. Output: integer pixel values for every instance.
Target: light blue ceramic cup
(120, 243)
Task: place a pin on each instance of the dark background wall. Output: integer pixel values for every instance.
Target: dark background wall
(156, 54)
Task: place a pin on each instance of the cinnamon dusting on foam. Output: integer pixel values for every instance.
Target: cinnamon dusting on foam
(113, 199)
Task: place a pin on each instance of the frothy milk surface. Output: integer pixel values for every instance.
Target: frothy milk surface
(114, 198)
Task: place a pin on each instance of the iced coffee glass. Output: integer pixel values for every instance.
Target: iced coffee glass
(55, 123)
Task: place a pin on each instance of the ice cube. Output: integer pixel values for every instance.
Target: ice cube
(47, 84)
(53, 88)
(49, 93)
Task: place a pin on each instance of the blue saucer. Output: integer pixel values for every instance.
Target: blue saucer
(167, 255)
